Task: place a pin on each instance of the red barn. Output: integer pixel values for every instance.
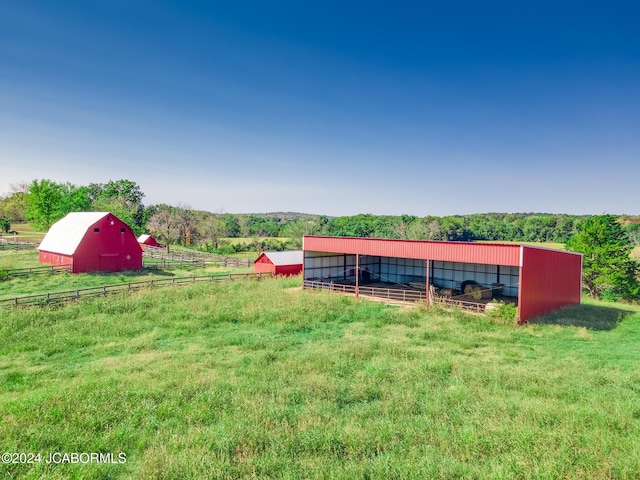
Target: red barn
(279, 263)
(148, 240)
(538, 280)
(91, 242)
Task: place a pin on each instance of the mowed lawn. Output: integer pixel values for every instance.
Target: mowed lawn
(263, 380)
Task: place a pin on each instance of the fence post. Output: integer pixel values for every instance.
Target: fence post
(104, 290)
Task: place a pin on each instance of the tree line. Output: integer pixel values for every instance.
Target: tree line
(43, 202)
(605, 241)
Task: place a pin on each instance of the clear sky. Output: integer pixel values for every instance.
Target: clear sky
(337, 108)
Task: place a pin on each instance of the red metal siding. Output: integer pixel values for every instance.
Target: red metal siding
(289, 269)
(109, 249)
(151, 242)
(263, 264)
(53, 258)
(548, 280)
(485, 253)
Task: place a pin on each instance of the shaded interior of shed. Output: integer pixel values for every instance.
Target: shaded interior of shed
(392, 272)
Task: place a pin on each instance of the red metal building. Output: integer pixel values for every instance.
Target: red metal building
(91, 242)
(279, 263)
(540, 280)
(148, 240)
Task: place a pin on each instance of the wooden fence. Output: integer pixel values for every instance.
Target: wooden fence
(103, 291)
(18, 245)
(25, 272)
(393, 295)
(477, 307)
(194, 257)
(168, 264)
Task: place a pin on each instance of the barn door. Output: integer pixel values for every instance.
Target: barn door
(110, 262)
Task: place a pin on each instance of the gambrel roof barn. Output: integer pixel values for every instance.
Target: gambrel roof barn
(91, 242)
(147, 240)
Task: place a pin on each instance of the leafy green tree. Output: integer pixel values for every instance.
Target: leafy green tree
(5, 225)
(12, 205)
(633, 232)
(123, 198)
(608, 271)
(165, 224)
(73, 198)
(213, 229)
(295, 230)
(232, 226)
(44, 204)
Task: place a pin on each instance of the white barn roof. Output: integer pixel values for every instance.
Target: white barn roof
(143, 238)
(65, 235)
(293, 257)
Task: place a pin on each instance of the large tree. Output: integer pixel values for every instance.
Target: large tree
(44, 204)
(608, 271)
(123, 198)
(165, 224)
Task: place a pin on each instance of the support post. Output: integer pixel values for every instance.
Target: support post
(427, 284)
(357, 274)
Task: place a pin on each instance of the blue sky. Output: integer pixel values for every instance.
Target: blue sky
(338, 108)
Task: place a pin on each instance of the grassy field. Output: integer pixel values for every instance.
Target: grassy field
(25, 233)
(263, 380)
(35, 284)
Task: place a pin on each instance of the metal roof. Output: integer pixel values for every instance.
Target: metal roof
(143, 238)
(486, 253)
(293, 257)
(65, 235)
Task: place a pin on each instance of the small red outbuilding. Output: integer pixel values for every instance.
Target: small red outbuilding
(148, 240)
(279, 263)
(91, 242)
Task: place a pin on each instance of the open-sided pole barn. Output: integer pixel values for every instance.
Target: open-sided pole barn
(539, 280)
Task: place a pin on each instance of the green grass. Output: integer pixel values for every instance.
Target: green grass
(25, 233)
(46, 283)
(12, 259)
(262, 380)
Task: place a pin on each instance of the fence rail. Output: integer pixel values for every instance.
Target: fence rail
(103, 291)
(25, 272)
(13, 245)
(168, 264)
(193, 257)
(395, 295)
(463, 304)
(391, 294)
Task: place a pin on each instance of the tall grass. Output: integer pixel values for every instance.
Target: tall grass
(263, 380)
